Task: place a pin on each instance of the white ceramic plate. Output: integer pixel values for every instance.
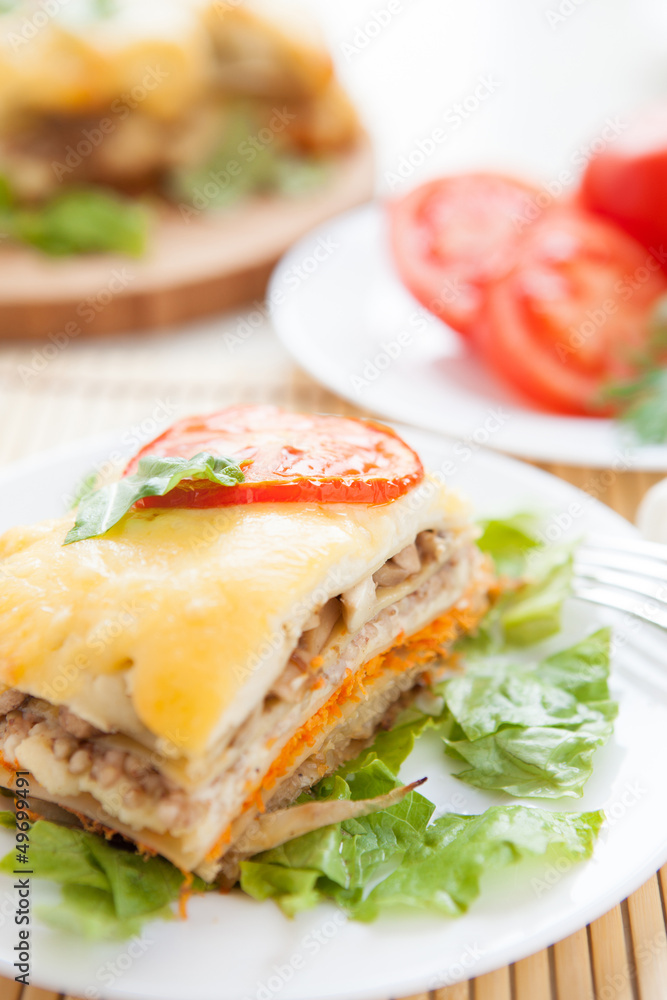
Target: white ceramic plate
(232, 947)
(340, 309)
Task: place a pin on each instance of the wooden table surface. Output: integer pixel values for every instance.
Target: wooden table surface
(51, 394)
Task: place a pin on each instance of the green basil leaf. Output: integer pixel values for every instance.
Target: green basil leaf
(86, 486)
(100, 510)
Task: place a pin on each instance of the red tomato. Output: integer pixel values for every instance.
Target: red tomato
(627, 182)
(572, 315)
(451, 237)
(288, 457)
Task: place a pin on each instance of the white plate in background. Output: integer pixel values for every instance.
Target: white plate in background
(340, 309)
(232, 947)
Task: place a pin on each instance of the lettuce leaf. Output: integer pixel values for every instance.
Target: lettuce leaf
(392, 746)
(293, 888)
(397, 858)
(138, 885)
(532, 729)
(529, 611)
(533, 612)
(444, 872)
(61, 854)
(90, 914)
(107, 892)
(509, 540)
(344, 857)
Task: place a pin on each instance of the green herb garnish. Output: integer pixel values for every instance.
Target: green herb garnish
(155, 477)
(250, 159)
(641, 401)
(644, 405)
(83, 220)
(84, 488)
(105, 8)
(78, 220)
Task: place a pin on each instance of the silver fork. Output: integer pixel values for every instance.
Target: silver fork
(627, 574)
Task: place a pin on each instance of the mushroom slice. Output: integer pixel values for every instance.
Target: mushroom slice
(275, 828)
(397, 569)
(433, 546)
(313, 639)
(390, 575)
(358, 604)
(408, 559)
(290, 683)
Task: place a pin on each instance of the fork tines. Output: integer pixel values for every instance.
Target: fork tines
(623, 573)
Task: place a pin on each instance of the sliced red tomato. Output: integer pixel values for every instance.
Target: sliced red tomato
(627, 182)
(572, 315)
(288, 457)
(451, 237)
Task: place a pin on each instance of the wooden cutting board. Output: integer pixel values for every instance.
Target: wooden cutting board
(208, 262)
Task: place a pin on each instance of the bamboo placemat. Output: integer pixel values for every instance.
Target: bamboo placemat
(50, 396)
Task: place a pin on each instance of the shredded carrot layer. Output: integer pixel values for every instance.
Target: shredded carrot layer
(421, 648)
(184, 895)
(221, 842)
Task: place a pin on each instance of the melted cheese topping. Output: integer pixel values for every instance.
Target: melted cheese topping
(195, 611)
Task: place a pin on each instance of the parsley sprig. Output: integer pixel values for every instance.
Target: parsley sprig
(642, 401)
(644, 405)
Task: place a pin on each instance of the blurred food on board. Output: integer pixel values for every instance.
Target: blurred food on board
(157, 157)
(107, 105)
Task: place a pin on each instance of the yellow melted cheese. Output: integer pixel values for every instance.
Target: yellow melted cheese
(196, 610)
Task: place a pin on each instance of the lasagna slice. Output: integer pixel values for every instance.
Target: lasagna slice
(183, 676)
